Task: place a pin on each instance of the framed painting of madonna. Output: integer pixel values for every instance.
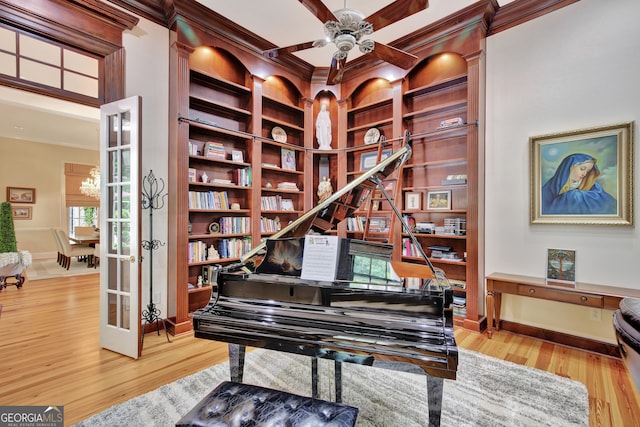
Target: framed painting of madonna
(583, 176)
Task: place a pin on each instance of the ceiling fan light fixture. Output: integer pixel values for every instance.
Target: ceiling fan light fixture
(345, 42)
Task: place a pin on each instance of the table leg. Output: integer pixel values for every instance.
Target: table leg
(497, 303)
(236, 361)
(490, 311)
(434, 396)
(338, 379)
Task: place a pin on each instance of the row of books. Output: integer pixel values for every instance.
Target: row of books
(235, 225)
(197, 251)
(269, 225)
(242, 177)
(234, 248)
(356, 223)
(214, 150)
(275, 203)
(208, 200)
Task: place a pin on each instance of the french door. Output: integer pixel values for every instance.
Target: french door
(120, 272)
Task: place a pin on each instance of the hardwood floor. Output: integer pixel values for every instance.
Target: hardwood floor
(50, 355)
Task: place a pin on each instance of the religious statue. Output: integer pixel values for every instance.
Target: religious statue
(324, 189)
(323, 128)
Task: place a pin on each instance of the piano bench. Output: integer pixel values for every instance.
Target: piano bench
(235, 404)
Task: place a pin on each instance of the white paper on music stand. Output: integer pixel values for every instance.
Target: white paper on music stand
(320, 258)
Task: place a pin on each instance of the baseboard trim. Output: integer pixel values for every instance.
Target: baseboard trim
(582, 343)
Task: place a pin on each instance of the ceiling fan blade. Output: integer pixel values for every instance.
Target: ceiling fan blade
(322, 12)
(395, 11)
(336, 71)
(272, 53)
(394, 56)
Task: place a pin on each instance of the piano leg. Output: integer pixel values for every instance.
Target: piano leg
(236, 361)
(338, 378)
(314, 377)
(434, 396)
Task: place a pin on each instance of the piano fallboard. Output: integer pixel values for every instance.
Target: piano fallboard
(348, 322)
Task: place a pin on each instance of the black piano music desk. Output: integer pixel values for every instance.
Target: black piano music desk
(342, 321)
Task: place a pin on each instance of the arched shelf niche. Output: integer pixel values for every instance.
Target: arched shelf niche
(370, 105)
(219, 63)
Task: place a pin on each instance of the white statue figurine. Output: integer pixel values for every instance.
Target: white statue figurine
(212, 253)
(323, 128)
(205, 177)
(324, 189)
(199, 281)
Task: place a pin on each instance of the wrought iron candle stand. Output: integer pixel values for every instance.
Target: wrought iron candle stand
(152, 199)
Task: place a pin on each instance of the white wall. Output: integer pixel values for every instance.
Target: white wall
(572, 69)
(147, 75)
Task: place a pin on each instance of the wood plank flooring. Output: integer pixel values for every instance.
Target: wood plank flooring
(50, 355)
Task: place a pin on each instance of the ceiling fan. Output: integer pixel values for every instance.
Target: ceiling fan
(345, 28)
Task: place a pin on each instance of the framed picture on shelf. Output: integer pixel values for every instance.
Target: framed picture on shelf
(439, 200)
(21, 212)
(368, 160)
(599, 164)
(286, 205)
(288, 159)
(412, 201)
(21, 195)
(561, 266)
(237, 156)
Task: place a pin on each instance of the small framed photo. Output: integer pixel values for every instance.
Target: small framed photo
(439, 200)
(412, 201)
(288, 159)
(21, 212)
(369, 160)
(237, 156)
(21, 195)
(561, 266)
(286, 205)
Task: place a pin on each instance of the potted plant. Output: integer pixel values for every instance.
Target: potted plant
(12, 261)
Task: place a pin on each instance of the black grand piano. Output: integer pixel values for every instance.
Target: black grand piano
(357, 317)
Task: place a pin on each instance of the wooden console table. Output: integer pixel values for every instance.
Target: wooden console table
(585, 294)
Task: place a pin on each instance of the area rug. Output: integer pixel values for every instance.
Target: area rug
(487, 392)
(49, 269)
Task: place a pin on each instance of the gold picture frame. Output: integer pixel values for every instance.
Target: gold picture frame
(21, 212)
(583, 176)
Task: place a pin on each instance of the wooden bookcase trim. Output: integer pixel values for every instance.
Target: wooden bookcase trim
(438, 163)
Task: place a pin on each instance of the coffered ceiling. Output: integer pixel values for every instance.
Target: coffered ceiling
(282, 22)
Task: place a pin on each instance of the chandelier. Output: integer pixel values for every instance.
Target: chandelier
(91, 186)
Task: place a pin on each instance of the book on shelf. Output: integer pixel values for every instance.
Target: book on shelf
(220, 181)
(378, 225)
(192, 175)
(208, 200)
(287, 186)
(215, 150)
(243, 177)
(235, 225)
(193, 149)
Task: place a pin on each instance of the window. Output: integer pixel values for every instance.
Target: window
(82, 217)
(373, 270)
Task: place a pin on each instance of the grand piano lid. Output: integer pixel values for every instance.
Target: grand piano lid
(339, 205)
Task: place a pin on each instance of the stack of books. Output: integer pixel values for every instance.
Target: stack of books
(215, 150)
(288, 186)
